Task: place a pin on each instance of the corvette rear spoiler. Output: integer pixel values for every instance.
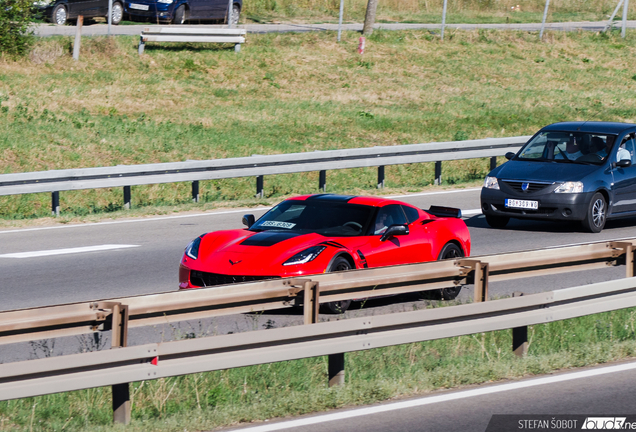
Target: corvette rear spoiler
(447, 212)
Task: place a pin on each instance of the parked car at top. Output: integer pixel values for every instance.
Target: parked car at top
(62, 11)
(573, 171)
(180, 11)
(320, 233)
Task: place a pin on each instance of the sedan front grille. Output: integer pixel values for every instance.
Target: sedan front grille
(204, 279)
(532, 186)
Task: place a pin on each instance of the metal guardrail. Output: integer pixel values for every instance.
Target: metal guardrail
(82, 318)
(254, 166)
(121, 366)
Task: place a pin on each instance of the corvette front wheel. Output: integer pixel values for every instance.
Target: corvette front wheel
(338, 307)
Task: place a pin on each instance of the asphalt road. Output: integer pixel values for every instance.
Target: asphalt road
(605, 391)
(83, 262)
(99, 29)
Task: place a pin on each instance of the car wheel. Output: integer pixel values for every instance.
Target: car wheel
(179, 15)
(449, 251)
(236, 11)
(117, 13)
(497, 221)
(338, 307)
(596, 214)
(59, 15)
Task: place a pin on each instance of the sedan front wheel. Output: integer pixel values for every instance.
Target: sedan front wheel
(596, 215)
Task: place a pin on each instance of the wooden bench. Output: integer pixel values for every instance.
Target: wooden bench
(189, 34)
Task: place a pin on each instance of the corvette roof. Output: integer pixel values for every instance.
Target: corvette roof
(351, 199)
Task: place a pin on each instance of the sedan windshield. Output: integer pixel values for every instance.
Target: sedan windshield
(326, 218)
(568, 147)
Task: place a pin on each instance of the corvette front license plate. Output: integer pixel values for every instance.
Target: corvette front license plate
(139, 6)
(522, 204)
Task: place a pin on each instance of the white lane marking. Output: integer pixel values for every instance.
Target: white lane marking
(150, 219)
(43, 253)
(471, 212)
(435, 193)
(441, 398)
(223, 212)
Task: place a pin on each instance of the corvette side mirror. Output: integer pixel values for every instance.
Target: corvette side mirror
(248, 220)
(395, 230)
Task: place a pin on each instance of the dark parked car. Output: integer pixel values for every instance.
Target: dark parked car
(575, 171)
(61, 11)
(180, 11)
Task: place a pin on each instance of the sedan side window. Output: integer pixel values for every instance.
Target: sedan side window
(626, 150)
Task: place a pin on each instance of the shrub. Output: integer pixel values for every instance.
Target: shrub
(16, 35)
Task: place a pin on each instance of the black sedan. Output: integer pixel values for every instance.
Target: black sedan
(573, 171)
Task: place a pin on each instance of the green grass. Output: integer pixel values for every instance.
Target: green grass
(288, 93)
(208, 400)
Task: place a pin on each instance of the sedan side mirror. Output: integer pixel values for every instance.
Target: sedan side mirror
(623, 163)
(395, 230)
(510, 155)
(248, 220)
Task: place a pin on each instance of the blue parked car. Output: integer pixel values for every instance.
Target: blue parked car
(62, 11)
(574, 171)
(180, 11)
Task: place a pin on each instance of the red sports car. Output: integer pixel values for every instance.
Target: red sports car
(320, 233)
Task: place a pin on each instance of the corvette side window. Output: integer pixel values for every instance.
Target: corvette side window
(387, 216)
(411, 213)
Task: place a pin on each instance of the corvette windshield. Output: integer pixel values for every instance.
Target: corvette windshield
(326, 218)
(568, 147)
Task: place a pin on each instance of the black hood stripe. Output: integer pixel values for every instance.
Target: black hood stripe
(268, 238)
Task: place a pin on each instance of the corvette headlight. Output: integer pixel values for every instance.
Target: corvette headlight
(570, 187)
(491, 183)
(192, 250)
(305, 256)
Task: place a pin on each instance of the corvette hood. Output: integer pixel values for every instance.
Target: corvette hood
(545, 171)
(242, 252)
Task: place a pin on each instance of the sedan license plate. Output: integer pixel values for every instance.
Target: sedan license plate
(522, 204)
(139, 6)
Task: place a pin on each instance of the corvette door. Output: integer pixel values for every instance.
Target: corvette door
(404, 249)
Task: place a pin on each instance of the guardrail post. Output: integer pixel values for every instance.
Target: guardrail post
(259, 187)
(311, 303)
(336, 369)
(381, 177)
(195, 191)
(621, 248)
(493, 163)
(55, 203)
(78, 37)
(126, 197)
(121, 392)
(519, 337)
(480, 277)
(322, 180)
(438, 173)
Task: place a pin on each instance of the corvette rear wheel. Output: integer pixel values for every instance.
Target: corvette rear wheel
(337, 307)
(449, 251)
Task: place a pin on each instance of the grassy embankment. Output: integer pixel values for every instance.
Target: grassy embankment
(292, 93)
(208, 400)
(430, 11)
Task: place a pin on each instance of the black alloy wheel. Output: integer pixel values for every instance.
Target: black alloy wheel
(59, 15)
(338, 307)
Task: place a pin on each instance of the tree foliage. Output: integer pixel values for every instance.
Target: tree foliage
(16, 34)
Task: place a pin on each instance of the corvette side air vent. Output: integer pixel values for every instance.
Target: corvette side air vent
(444, 211)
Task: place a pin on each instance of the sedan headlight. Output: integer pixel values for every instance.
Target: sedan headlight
(305, 256)
(42, 3)
(165, 1)
(192, 250)
(570, 187)
(491, 183)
